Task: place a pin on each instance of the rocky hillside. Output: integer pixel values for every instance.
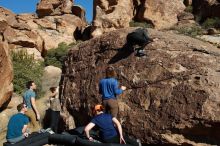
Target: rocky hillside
(6, 87)
(174, 89)
(56, 21)
(110, 15)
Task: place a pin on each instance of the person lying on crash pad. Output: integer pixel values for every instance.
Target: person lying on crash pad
(108, 132)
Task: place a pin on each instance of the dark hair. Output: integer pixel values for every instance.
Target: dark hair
(29, 84)
(53, 89)
(110, 72)
(20, 106)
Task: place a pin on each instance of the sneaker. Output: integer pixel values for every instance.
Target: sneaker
(49, 130)
(140, 53)
(42, 131)
(139, 142)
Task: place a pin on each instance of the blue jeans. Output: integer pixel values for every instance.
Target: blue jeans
(17, 139)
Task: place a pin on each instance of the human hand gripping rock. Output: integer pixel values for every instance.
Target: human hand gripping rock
(123, 88)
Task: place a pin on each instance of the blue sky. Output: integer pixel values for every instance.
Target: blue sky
(29, 6)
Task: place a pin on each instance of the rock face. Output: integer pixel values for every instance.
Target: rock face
(110, 15)
(162, 14)
(174, 89)
(6, 76)
(54, 7)
(206, 8)
(51, 77)
(37, 35)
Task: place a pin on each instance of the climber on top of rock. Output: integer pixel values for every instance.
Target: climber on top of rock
(139, 37)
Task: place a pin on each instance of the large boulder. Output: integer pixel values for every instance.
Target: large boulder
(206, 8)
(79, 11)
(174, 89)
(51, 77)
(7, 18)
(162, 14)
(7, 15)
(54, 7)
(60, 23)
(110, 15)
(6, 86)
(57, 29)
(23, 39)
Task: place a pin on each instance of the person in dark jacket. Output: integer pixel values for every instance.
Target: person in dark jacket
(55, 108)
(110, 129)
(140, 38)
(109, 88)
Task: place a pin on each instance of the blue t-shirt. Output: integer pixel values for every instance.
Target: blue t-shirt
(27, 97)
(108, 87)
(16, 124)
(106, 126)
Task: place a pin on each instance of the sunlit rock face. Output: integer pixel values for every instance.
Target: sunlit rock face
(162, 14)
(39, 33)
(110, 15)
(6, 86)
(174, 89)
(54, 7)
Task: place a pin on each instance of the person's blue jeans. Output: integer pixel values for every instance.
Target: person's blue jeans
(17, 139)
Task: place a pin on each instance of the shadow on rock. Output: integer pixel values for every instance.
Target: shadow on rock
(123, 53)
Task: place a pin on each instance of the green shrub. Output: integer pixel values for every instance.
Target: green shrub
(211, 22)
(189, 9)
(26, 69)
(140, 24)
(190, 31)
(56, 56)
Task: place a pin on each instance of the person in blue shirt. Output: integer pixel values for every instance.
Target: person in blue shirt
(108, 87)
(17, 125)
(29, 99)
(105, 123)
(107, 131)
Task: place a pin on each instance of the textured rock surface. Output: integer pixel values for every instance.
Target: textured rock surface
(51, 77)
(32, 33)
(6, 76)
(162, 14)
(187, 2)
(206, 8)
(54, 7)
(212, 39)
(110, 15)
(174, 89)
(6, 114)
